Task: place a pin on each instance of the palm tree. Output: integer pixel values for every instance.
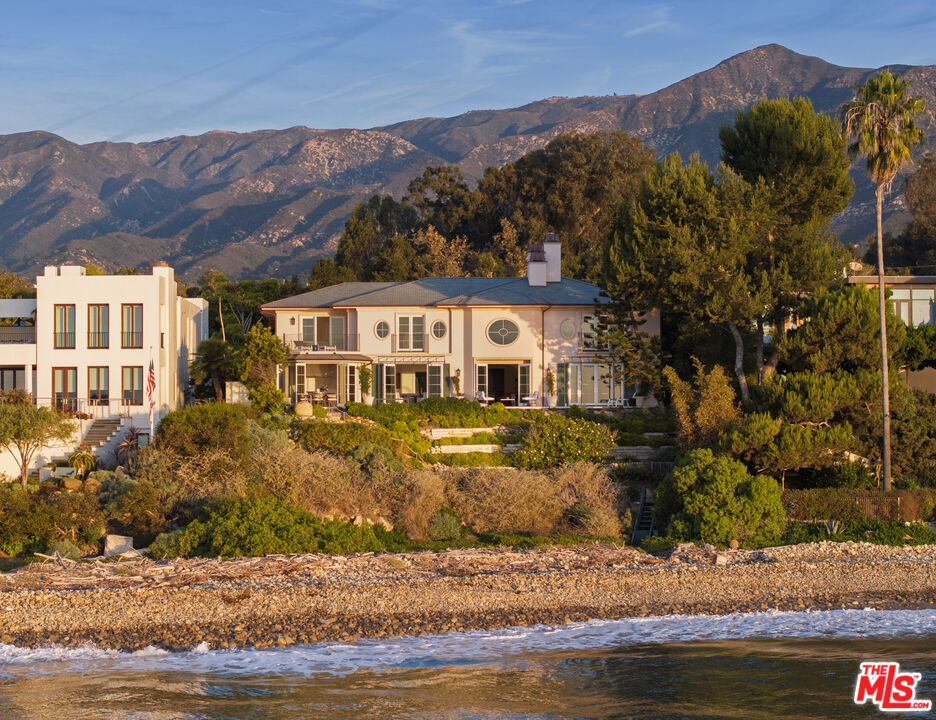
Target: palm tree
(880, 118)
(214, 360)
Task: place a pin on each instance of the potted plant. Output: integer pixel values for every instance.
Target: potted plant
(550, 388)
(364, 378)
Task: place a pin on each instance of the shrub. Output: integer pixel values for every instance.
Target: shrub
(27, 524)
(324, 484)
(376, 460)
(556, 440)
(422, 494)
(474, 459)
(342, 438)
(446, 526)
(263, 526)
(850, 474)
(34, 522)
(657, 543)
(208, 427)
(133, 507)
(267, 398)
(591, 500)
(717, 500)
(489, 500)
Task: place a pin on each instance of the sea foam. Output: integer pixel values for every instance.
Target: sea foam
(480, 646)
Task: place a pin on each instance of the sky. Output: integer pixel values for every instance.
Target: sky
(132, 70)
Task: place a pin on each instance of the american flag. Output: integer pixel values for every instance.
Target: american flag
(150, 389)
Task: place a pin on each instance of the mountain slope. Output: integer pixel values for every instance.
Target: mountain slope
(272, 201)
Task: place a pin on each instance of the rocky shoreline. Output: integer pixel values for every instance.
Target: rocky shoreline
(129, 603)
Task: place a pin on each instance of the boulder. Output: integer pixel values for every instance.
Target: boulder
(117, 544)
(304, 409)
(71, 483)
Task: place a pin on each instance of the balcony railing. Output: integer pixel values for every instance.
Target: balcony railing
(99, 340)
(64, 340)
(348, 343)
(131, 339)
(18, 335)
(408, 343)
(89, 408)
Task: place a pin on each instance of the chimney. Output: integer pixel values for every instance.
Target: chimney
(536, 265)
(553, 250)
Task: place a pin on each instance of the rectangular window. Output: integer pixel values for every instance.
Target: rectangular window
(337, 332)
(435, 381)
(481, 384)
(65, 388)
(98, 385)
(352, 383)
(64, 331)
(562, 384)
(403, 333)
(300, 379)
(595, 329)
(12, 378)
(131, 335)
(523, 381)
(922, 306)
(98, 326)
(377, 382)
(588, 384)
(390, 382)
(308, 329)
(132, 386)
(411, 332)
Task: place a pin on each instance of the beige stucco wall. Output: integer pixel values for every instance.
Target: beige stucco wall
(466, 344)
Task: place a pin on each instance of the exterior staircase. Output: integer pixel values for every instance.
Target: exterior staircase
(643, 526)
(101, 432)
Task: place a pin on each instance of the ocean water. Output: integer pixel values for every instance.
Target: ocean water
(761, 665)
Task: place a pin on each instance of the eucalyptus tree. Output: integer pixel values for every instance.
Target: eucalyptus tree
(881, 121)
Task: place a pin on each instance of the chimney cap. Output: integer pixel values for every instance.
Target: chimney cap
(536, 253)
(552, 238)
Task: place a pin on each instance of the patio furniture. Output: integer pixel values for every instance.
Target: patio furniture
(531, 400)
(483, 399)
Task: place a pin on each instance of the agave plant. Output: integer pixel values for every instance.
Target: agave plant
(128, 447)
(83, 460)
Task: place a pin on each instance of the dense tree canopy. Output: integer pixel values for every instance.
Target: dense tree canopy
(573, 186)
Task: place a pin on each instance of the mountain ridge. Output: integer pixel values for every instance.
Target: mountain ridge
(272, 201)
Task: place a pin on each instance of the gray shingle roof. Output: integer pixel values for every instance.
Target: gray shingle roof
(445, 292)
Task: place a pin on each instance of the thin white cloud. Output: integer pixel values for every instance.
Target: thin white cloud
(658, 19)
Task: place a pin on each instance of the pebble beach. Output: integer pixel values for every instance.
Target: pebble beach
(132, 602)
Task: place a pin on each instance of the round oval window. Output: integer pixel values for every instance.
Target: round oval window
(503, 332)
(567, 328)
(438, 329)
(382, 330)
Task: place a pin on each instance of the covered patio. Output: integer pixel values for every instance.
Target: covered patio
(323, 381)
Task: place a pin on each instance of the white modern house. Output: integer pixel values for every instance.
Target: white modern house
(492, 339)
(85, 345)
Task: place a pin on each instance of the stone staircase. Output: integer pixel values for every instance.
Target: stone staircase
(101, 432)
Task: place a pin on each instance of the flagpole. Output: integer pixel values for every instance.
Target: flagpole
(150, 389)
